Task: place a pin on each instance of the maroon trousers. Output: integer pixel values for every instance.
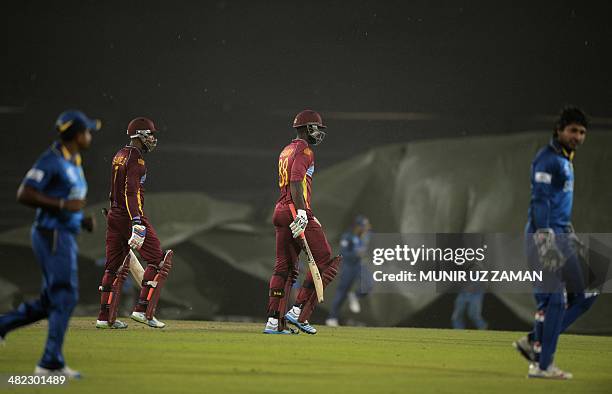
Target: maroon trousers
(287, 256)
(118, 232)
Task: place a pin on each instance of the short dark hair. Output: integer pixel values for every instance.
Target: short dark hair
(571, 115)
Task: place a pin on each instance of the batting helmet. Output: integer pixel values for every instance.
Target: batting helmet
(308, 117)
(314, 124)
(143, 129)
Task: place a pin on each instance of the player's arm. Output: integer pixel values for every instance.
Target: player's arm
(132, 202)
(297, 195)
(296, 178)
(30, 192)
(542, 191)
(133, 173)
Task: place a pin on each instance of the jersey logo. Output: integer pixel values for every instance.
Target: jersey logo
(286, 152)
(543, 177)
(141, 162)
(64, 126)
(35, 174)
(119, 160)
(310, 171)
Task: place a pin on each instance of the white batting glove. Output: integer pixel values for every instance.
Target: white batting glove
(299, 223)
(139, 233)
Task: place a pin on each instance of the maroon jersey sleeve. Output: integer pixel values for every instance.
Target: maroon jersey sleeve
(135, 170)
(302, 161)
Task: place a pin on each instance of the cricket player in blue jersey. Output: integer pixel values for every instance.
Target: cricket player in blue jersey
(56, 187)
(354, 244)
(553, 246)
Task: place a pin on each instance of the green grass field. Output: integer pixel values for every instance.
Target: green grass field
(211, 357)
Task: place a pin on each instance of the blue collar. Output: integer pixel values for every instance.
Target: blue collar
(63, 152)
(561, 150)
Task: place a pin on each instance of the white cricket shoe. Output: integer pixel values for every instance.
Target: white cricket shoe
(354, 305)
(292, 317)
(141, 318)
(332, 322)
(525, 348)
(552, 372)
(117, 325)
(272, 328)
(66, 371)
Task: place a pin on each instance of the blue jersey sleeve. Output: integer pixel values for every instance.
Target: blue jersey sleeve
(41, 173)
(543, 173)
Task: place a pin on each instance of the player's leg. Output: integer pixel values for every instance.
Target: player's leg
(578, 301)
(577, 305)
(62, 289)
(31, 311)
(321, 251)
(283, 274)
(474, 309)
(152, 280)
(551, 307)
(458, 316)
(526, 344)
(306, 300)
(117, 234)
(348, 274)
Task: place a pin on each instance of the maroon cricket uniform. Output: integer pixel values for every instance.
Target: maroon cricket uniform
(127, 203)
(295, 164)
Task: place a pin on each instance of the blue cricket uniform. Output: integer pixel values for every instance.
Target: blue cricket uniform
(352, 247)
(552, 194)
(552, 189)
(56, 174)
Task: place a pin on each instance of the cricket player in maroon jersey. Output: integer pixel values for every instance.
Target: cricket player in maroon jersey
(295, 171)
(128, 227)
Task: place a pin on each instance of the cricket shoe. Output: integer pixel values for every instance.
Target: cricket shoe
(272, 328)
(332, 322)
(66, 371)
(141, 318)
(552, 372)
(524, 347)
(117, 325)
(353, 301)
(292, 317)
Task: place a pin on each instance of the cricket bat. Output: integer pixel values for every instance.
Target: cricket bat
(314, 270)
(136, 269)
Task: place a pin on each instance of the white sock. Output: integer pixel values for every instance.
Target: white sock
(273, 321)
(296, 310)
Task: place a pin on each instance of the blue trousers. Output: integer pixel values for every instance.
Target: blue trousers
(550, 300)
(472, 303)
(56, 252)
(576, 302)
(349, 274)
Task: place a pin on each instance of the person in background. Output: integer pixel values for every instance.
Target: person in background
(56, 187)
(354, 244)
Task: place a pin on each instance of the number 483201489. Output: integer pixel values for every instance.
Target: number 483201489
(283, 175)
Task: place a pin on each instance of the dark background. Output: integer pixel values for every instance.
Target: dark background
(223, 80)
